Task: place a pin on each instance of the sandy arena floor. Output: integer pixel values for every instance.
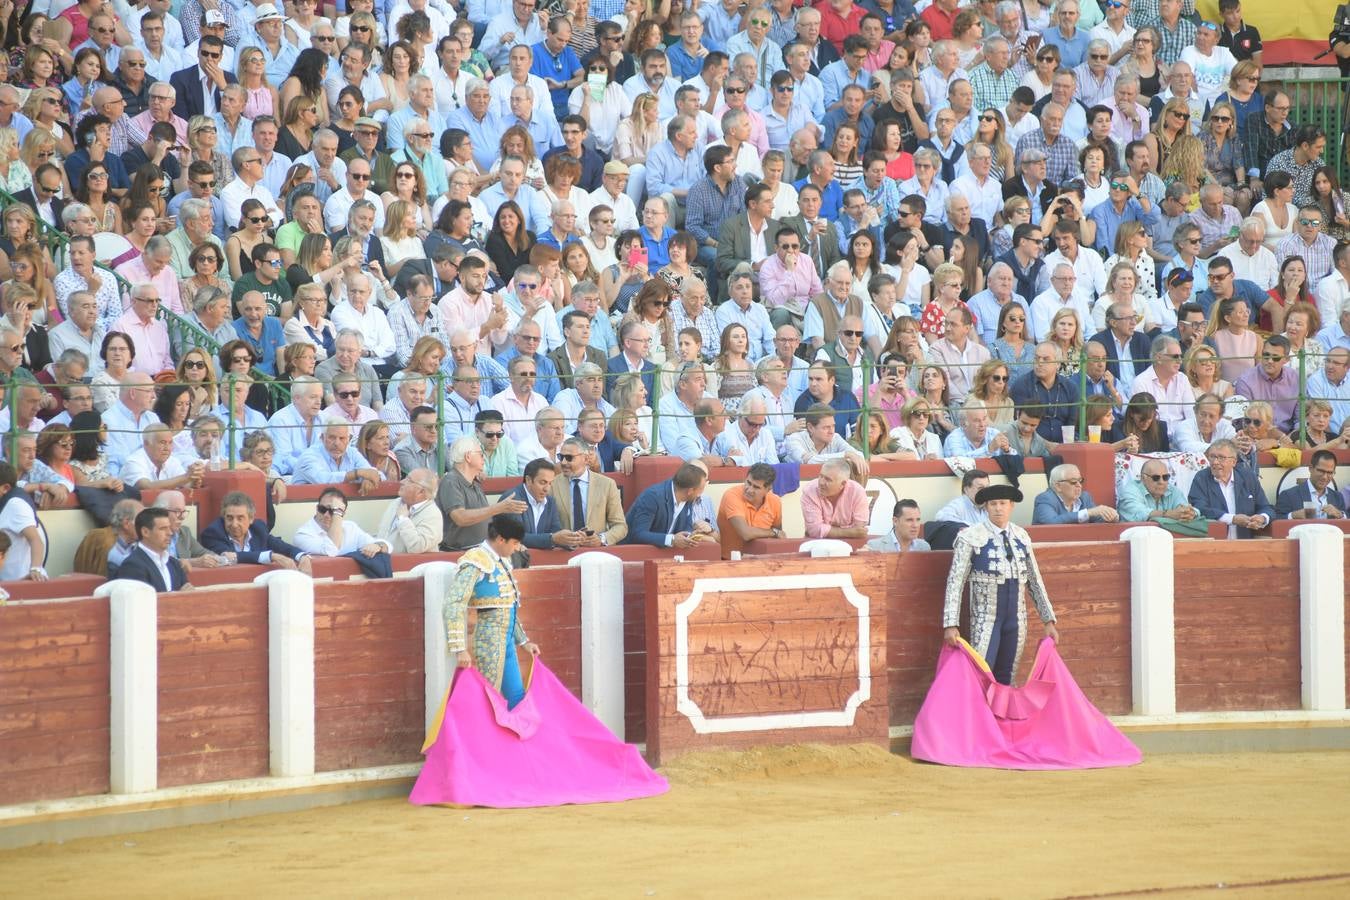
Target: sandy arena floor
(802, 822)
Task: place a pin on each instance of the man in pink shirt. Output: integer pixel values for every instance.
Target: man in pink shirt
(150, 336)
(834, 505)
(153, 267)
(469, 307)
(787, 279)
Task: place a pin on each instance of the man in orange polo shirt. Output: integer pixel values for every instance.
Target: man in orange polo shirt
(751, 510)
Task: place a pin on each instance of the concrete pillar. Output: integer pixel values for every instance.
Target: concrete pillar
(602, 675)
(826, 547)
(1321, 581)
(436, 578)
(133, 610)
(1153, 648)
(290, 674)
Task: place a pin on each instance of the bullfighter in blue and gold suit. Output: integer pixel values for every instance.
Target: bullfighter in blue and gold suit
(483, 582)
(996, 558)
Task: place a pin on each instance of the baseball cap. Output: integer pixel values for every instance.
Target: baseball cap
(215, 17)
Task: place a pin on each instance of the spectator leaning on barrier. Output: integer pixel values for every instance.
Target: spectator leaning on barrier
(412, 523)
(834, 505)
(587, 501)
(150, 560)
(750, 510)
(463, 504)
(241, 537)
(663, 514)
(1065, 502)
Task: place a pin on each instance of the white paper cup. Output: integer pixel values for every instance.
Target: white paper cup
(1068, 434)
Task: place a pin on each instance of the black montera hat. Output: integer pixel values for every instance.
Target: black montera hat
(998, 492)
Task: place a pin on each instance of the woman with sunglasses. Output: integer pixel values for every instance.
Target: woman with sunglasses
(39, 147)
(45, 110)
(1042, 73)
(1012, 343)
(1172, 123)
(254, 224)
(237, 358)
(651, 309)
(55, 446)
(261, 97)
(990, 387)
(1224, 155)
(305, 81)
(914, 439)
(1143, 63)
(1202, 371)
(173, 407)
(149, 187)
(410, 187)
(206, 262)
(197, 372)
(88, 459)
(1242, 93)
(31, 267)
(601, 101)
(203, 147)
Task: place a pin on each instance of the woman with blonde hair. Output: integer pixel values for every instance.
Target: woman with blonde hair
(399, 240)
(1122, 286)
(1224, 155)
(38, 147)
(990, 387)
(203, 147)
(935, 390)
(1186, 164)
(1230, 333)
(516, 141)
(635, 137)
(1261, 428)
(1317, 433)
(1016, 211)
(410, 186)
(915, 439)
(260, 97)
(197, 371)
(992, 132)
(30, 265)
(1066, 333)
(945, 295)
(1202, 371)
(1174, 122)
(879, 444)
(309, 324)
(1132, 245)
(426, 356)
(630, 393)
(14, 175)
(52, 116)
(1242, 93)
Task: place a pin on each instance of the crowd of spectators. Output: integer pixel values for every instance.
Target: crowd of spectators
(370, 242)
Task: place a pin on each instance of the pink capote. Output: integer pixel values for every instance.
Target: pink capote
(548, 751)
(969, 719)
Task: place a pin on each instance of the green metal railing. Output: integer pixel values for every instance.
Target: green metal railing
(1323, 102)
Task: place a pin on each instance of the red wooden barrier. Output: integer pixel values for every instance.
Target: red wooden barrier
(1280, 528)
(213, 686)
(54, 699)
(1237, 626)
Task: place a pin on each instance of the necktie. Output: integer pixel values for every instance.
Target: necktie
(815, 249)
(578, 510)
(1007, 547)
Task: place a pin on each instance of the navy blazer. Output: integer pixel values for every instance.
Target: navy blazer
(1248, 497)
(1292, 499)
(651, 515)
(215, 539)
(376, 249)
(1050, 509)
(538, 535)
(1140, 345)
(618, 365)
(188, 83)
(138, 566)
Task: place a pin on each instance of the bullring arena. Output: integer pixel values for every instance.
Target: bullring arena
(261, 738)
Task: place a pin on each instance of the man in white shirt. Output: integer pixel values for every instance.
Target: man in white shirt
(1249, 256)
(358, 314)
(357, 188)
(612, 192)
(1164, 381)
(984, 193)
(412, 522)
(520, 403)
(749, 438)
(1334, 291)
(1059, 295)
(329, 533)
(19, 522)
(247, 185)
(155, 468)
(161, 58)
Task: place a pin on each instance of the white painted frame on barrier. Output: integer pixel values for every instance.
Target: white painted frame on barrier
(731, 724)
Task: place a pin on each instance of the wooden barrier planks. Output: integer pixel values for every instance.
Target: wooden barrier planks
(213, 685)
(1237, 626)
(781, 655)
(368, 673)
(54, 739)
